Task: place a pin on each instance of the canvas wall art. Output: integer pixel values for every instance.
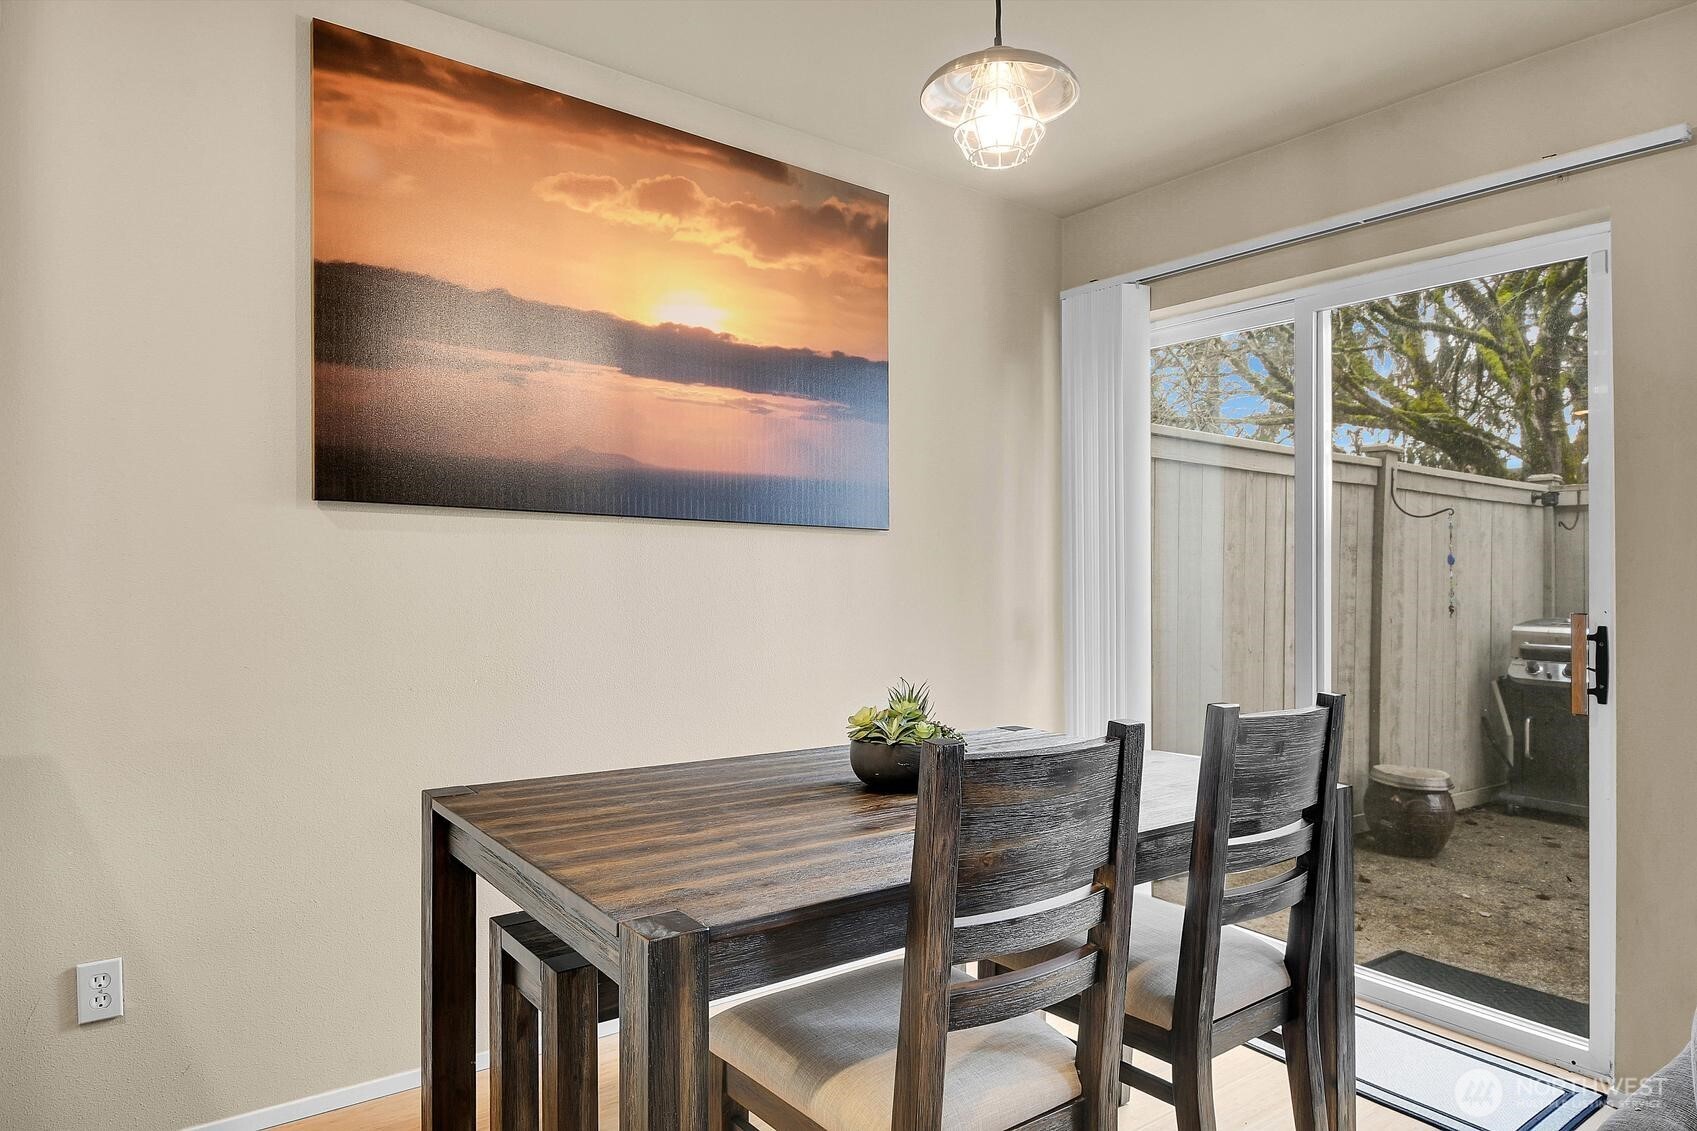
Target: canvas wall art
(527, 301)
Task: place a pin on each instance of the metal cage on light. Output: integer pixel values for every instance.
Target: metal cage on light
(999, 100)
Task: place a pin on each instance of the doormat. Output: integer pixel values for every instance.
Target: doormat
(1455, 1086)
(1523, 1001)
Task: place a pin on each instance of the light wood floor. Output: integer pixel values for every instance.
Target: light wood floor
(1250, 1094)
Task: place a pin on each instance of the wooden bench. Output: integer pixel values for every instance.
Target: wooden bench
(545, 1001)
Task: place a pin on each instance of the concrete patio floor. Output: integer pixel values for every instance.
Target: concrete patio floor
(1506, 897)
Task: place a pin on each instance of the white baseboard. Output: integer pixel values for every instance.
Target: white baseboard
(279, 1114)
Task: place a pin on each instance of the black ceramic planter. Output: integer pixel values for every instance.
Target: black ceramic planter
(1410, 810)
(885, 769)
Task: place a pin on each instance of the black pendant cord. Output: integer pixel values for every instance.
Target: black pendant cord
(998, 23)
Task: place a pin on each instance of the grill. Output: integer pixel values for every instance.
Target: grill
(1547, 746)
(1540, 652)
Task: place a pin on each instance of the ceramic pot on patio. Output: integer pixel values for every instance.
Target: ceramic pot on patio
(1409, 809)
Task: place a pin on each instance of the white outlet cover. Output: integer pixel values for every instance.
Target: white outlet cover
(100, 990)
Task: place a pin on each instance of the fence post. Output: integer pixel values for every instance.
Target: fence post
(1549, 487)
(1389, 457)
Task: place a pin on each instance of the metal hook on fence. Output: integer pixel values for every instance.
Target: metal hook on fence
(1449, 558)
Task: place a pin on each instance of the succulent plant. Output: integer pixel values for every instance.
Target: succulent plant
(904, 721)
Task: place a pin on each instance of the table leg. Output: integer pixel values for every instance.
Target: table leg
(1337, 975)
(448, 1091)
(663, 1024)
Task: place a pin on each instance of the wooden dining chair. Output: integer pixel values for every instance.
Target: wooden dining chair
(1198, 983)
(1016, 846)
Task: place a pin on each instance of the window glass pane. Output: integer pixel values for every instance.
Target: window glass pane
(1224, 532)
(1486, 376)
(1237, 384)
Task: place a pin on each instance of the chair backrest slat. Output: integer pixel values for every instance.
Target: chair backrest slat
(1276, 768)
(1021, 933)
(1029, 841)
(1265, 896)
(1262, 851)
(1266, 797)
(1034, 822)
(986, 1001)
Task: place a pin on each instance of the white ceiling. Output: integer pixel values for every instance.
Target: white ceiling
(1169, 86)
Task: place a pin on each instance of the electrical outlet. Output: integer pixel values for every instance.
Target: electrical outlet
(100, 990)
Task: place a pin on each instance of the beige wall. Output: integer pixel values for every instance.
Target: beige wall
(1635, 79)
(219, 700)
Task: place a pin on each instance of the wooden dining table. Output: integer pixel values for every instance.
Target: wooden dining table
(691, 881)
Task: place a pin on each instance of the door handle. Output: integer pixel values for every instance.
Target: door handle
(1579, 663)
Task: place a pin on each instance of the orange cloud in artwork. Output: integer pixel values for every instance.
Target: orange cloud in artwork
(525, 300)
(458, 97)
(832, 236)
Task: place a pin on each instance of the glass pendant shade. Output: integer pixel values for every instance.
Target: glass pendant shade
(997, 102)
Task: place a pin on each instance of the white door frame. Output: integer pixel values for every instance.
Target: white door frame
(1307, 307)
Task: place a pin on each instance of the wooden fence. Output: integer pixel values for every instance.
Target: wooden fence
(1224, 617)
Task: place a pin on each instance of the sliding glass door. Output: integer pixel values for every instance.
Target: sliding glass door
(1398, 487)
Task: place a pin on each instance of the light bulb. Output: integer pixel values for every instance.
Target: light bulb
(1000, 127)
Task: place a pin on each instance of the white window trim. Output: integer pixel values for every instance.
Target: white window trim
(1215, 321)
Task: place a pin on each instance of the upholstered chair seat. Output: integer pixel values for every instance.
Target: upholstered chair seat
(827, 1049)
(1252, 967)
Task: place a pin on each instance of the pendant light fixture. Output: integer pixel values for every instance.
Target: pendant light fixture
(998, 100)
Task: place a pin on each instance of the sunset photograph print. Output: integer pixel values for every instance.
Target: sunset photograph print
(526, 301)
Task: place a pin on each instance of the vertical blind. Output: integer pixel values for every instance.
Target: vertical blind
(1105, 504)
